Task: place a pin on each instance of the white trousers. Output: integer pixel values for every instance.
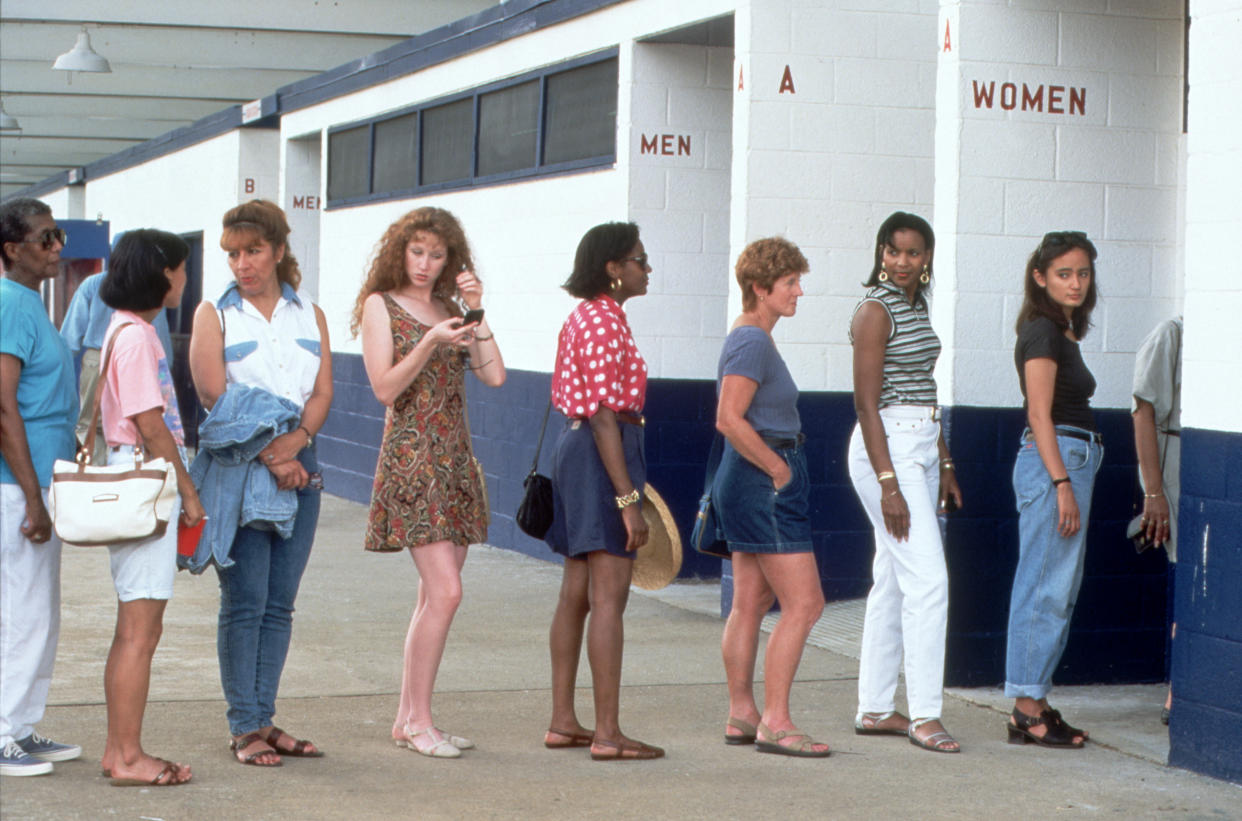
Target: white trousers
(908, 606)
(29, 618)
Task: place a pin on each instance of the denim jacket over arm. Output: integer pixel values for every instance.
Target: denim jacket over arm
(235, 489)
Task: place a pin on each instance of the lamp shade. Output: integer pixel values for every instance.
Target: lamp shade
(81, 57)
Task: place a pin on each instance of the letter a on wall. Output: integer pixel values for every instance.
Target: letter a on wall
(787, 82)
(741, 84)
(948, 40)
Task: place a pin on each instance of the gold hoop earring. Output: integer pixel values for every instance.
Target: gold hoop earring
(883, 277)
(926, 277)
(616, 284)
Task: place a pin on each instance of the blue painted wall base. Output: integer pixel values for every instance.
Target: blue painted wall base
(1206, 722)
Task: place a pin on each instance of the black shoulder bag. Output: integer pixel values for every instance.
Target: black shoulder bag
(534, 514)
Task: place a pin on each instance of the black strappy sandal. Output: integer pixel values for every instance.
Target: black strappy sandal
(1058, 733)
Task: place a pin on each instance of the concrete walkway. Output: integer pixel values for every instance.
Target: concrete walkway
(343, 673)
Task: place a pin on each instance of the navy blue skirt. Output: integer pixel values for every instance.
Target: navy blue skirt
(585, 515)
(754, 516)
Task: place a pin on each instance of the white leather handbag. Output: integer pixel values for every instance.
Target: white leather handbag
(109, 504)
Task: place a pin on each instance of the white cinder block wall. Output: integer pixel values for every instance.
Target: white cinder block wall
(823, 153)
(679, 148)
(301, 197)
(523, 234)
(1212, 369)
(1054, 116)
(189, 190)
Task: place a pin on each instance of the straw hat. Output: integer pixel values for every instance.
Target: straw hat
(659, 560)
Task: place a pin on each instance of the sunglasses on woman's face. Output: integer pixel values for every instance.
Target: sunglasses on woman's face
(49, 238)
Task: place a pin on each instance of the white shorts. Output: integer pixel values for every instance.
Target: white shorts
(144, 569)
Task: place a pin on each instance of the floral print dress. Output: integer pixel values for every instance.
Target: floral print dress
(428, 486)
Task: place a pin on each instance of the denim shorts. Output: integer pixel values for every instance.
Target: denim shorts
(754, 516)
(585, 516)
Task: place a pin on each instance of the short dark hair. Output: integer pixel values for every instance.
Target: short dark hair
(1035, 300)
(901, 221)
(15, 221)
(601, 245)
(135, 280)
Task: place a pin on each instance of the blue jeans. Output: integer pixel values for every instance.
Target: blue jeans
(256, 610)
(1045, 585)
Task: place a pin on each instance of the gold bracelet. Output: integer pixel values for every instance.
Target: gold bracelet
(1153, 495)
(946, 464)
(888, 474)
(484, 338)
(628, 499)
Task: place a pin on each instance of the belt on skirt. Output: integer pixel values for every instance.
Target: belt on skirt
(783, 443)
(1083, 435)
(625, 417)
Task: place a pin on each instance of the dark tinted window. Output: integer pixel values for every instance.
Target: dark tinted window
(508, 128)
(349, 162)
(396, 154)
(582, 113)
(448, 140)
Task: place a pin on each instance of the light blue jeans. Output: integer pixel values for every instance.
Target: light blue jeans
(1045, 585)
(257, 593)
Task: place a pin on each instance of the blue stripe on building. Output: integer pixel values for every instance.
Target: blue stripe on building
(1119, 628)
(1206, 724)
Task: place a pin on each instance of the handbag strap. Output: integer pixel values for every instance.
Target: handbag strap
(543, 428)
(713, 462)
(88, 447)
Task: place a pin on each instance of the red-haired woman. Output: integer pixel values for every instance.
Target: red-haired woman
(428, 496)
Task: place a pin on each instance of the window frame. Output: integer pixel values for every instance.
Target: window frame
(474, 180)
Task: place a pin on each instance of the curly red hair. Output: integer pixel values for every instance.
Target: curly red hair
(387, 271)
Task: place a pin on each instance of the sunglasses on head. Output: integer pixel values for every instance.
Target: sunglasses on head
(50, 236)
(1053, 239)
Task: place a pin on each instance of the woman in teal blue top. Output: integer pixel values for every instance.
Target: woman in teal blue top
(38, 406)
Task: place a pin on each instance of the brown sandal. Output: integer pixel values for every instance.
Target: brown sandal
(300, 749)
(239, 744)
(625, 750)
(576, 739)
(169, 776)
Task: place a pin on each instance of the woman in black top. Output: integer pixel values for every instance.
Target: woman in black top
(1052, 479)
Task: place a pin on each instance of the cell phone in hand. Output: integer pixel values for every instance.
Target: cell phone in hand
(473, 317)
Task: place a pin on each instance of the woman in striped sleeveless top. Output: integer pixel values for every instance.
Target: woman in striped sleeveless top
(901, 469)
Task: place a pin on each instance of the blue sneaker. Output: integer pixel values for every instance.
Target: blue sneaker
(47, 749)
(15, 761)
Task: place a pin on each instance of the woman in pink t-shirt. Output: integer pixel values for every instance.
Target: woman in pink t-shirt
(146, 274)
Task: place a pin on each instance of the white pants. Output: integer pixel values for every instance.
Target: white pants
(29, 618)
(908, 606)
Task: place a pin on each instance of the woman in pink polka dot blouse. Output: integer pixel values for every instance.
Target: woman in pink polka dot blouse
(599, 383)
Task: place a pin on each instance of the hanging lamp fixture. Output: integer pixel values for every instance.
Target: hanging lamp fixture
(82, 57)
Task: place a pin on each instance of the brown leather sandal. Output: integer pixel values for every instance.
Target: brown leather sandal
(239, 744)
(626, 749)
(300, 749)
(576, 739)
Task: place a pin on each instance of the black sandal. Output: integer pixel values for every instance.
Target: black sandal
(1056, 714)
(1058, 734)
